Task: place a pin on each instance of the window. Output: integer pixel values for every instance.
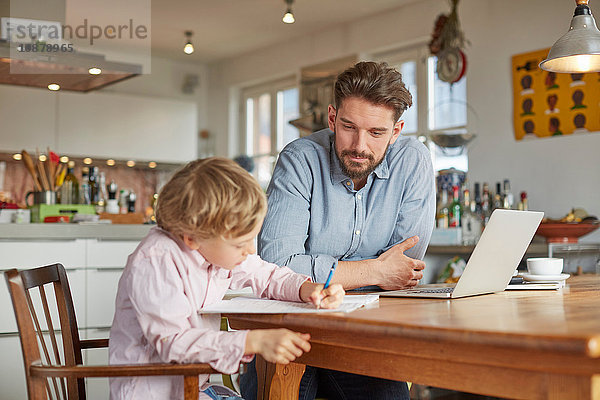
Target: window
(267, 109)
(438, 107)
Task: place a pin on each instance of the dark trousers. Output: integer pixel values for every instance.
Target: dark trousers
(333, 385)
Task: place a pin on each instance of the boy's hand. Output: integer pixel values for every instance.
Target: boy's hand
(314, 293)
(280, 346)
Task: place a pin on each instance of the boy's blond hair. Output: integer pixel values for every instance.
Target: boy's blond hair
(212, 197)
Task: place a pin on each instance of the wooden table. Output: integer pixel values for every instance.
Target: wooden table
(528, 345)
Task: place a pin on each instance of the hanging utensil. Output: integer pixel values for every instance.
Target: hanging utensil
(31, 168)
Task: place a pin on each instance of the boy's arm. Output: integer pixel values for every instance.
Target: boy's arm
(164, 314)
(268, 280)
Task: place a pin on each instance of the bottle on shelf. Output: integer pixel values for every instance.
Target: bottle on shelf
(507, 196)
(84, 193)
(123, 204)
(477, 199)
(523, 203)
(112, 204)
(94, 185)
(102, 195)
(69, 191)
(455, 208)
(471, 223)
(443, 214)
(486, 205)
(131, 197)
(498, 202)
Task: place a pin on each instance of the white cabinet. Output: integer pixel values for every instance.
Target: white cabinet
(104, 125)
(12, 373)
(28, 118)
(30, 254)
(97, 388)
(101, 294)
(109, 253)
(110, 125)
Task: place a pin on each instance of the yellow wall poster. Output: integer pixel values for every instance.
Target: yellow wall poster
(550, 104)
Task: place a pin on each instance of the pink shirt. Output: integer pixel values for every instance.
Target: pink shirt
(156, 317)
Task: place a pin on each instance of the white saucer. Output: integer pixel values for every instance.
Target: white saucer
(544, 278)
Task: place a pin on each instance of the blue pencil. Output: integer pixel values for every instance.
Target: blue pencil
(330, 276)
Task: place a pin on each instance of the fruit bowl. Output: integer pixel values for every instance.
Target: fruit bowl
(565, 232)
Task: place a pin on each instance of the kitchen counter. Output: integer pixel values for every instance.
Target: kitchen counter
(535, 249)
(73, 231)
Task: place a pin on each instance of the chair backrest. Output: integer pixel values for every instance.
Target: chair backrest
(47, 328)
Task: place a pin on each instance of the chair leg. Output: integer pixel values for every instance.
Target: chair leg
(191, 387)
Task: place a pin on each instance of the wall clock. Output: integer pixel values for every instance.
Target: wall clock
(451, 65)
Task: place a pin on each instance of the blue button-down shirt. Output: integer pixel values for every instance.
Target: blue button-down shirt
(316, 217)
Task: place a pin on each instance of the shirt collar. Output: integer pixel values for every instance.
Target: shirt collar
(381, 171)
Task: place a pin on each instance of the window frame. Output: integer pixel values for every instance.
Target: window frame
(271, 88)
(420, 53)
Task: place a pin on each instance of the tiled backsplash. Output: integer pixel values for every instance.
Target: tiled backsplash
(144, 182)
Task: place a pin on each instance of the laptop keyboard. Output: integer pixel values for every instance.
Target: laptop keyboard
(440, 290)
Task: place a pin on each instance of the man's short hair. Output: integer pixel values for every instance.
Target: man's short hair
(377, 83)
(212, 197)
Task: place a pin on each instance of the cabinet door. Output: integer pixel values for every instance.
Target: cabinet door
(97, 388)
(12, 370)
(28, 118)
(109, 253)
(110, 125)
(101, 294)
(34, 253)
(13, 385)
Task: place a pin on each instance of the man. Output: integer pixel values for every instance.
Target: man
(357, 195)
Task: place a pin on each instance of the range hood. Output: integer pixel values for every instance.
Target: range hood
(69, 70)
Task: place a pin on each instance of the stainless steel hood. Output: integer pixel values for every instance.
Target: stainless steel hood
(69, 70)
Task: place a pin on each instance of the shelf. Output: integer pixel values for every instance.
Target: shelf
(540, 249)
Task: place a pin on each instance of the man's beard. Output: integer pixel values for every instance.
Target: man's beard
(355, 170)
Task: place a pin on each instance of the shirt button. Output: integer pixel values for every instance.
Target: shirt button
(347, 183)
(358, 196)
(357, 231)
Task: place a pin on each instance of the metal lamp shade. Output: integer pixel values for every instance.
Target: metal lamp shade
(577, 51)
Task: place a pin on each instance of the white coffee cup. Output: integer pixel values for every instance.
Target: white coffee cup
(545, 266)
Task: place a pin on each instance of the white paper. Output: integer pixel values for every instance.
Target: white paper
(252, 305)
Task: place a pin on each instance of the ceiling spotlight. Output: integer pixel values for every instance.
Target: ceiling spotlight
(17, 156)
(64, 159)
(131, 163)
(42, 157)
(110, 162)
(87, 161)
(288, 17)
(94, 71)
(152, 164)
(54, 86)
(189, 47)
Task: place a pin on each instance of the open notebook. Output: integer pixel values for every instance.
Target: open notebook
(252, 305)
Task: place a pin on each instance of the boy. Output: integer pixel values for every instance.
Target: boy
(208, 217)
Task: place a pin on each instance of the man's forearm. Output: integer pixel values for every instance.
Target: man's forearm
(355, 274)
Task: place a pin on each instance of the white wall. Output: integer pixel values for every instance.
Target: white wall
(166, 80)
(557, 173)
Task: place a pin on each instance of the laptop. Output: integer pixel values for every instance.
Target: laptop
(493, 261)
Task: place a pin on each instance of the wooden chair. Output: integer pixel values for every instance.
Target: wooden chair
(60, 374)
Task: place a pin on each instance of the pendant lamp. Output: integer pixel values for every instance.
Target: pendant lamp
(578, 50)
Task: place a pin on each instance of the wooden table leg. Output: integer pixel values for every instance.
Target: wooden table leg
(276, 381)
(285, 384)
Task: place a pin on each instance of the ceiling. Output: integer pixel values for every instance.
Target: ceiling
(226, 28)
